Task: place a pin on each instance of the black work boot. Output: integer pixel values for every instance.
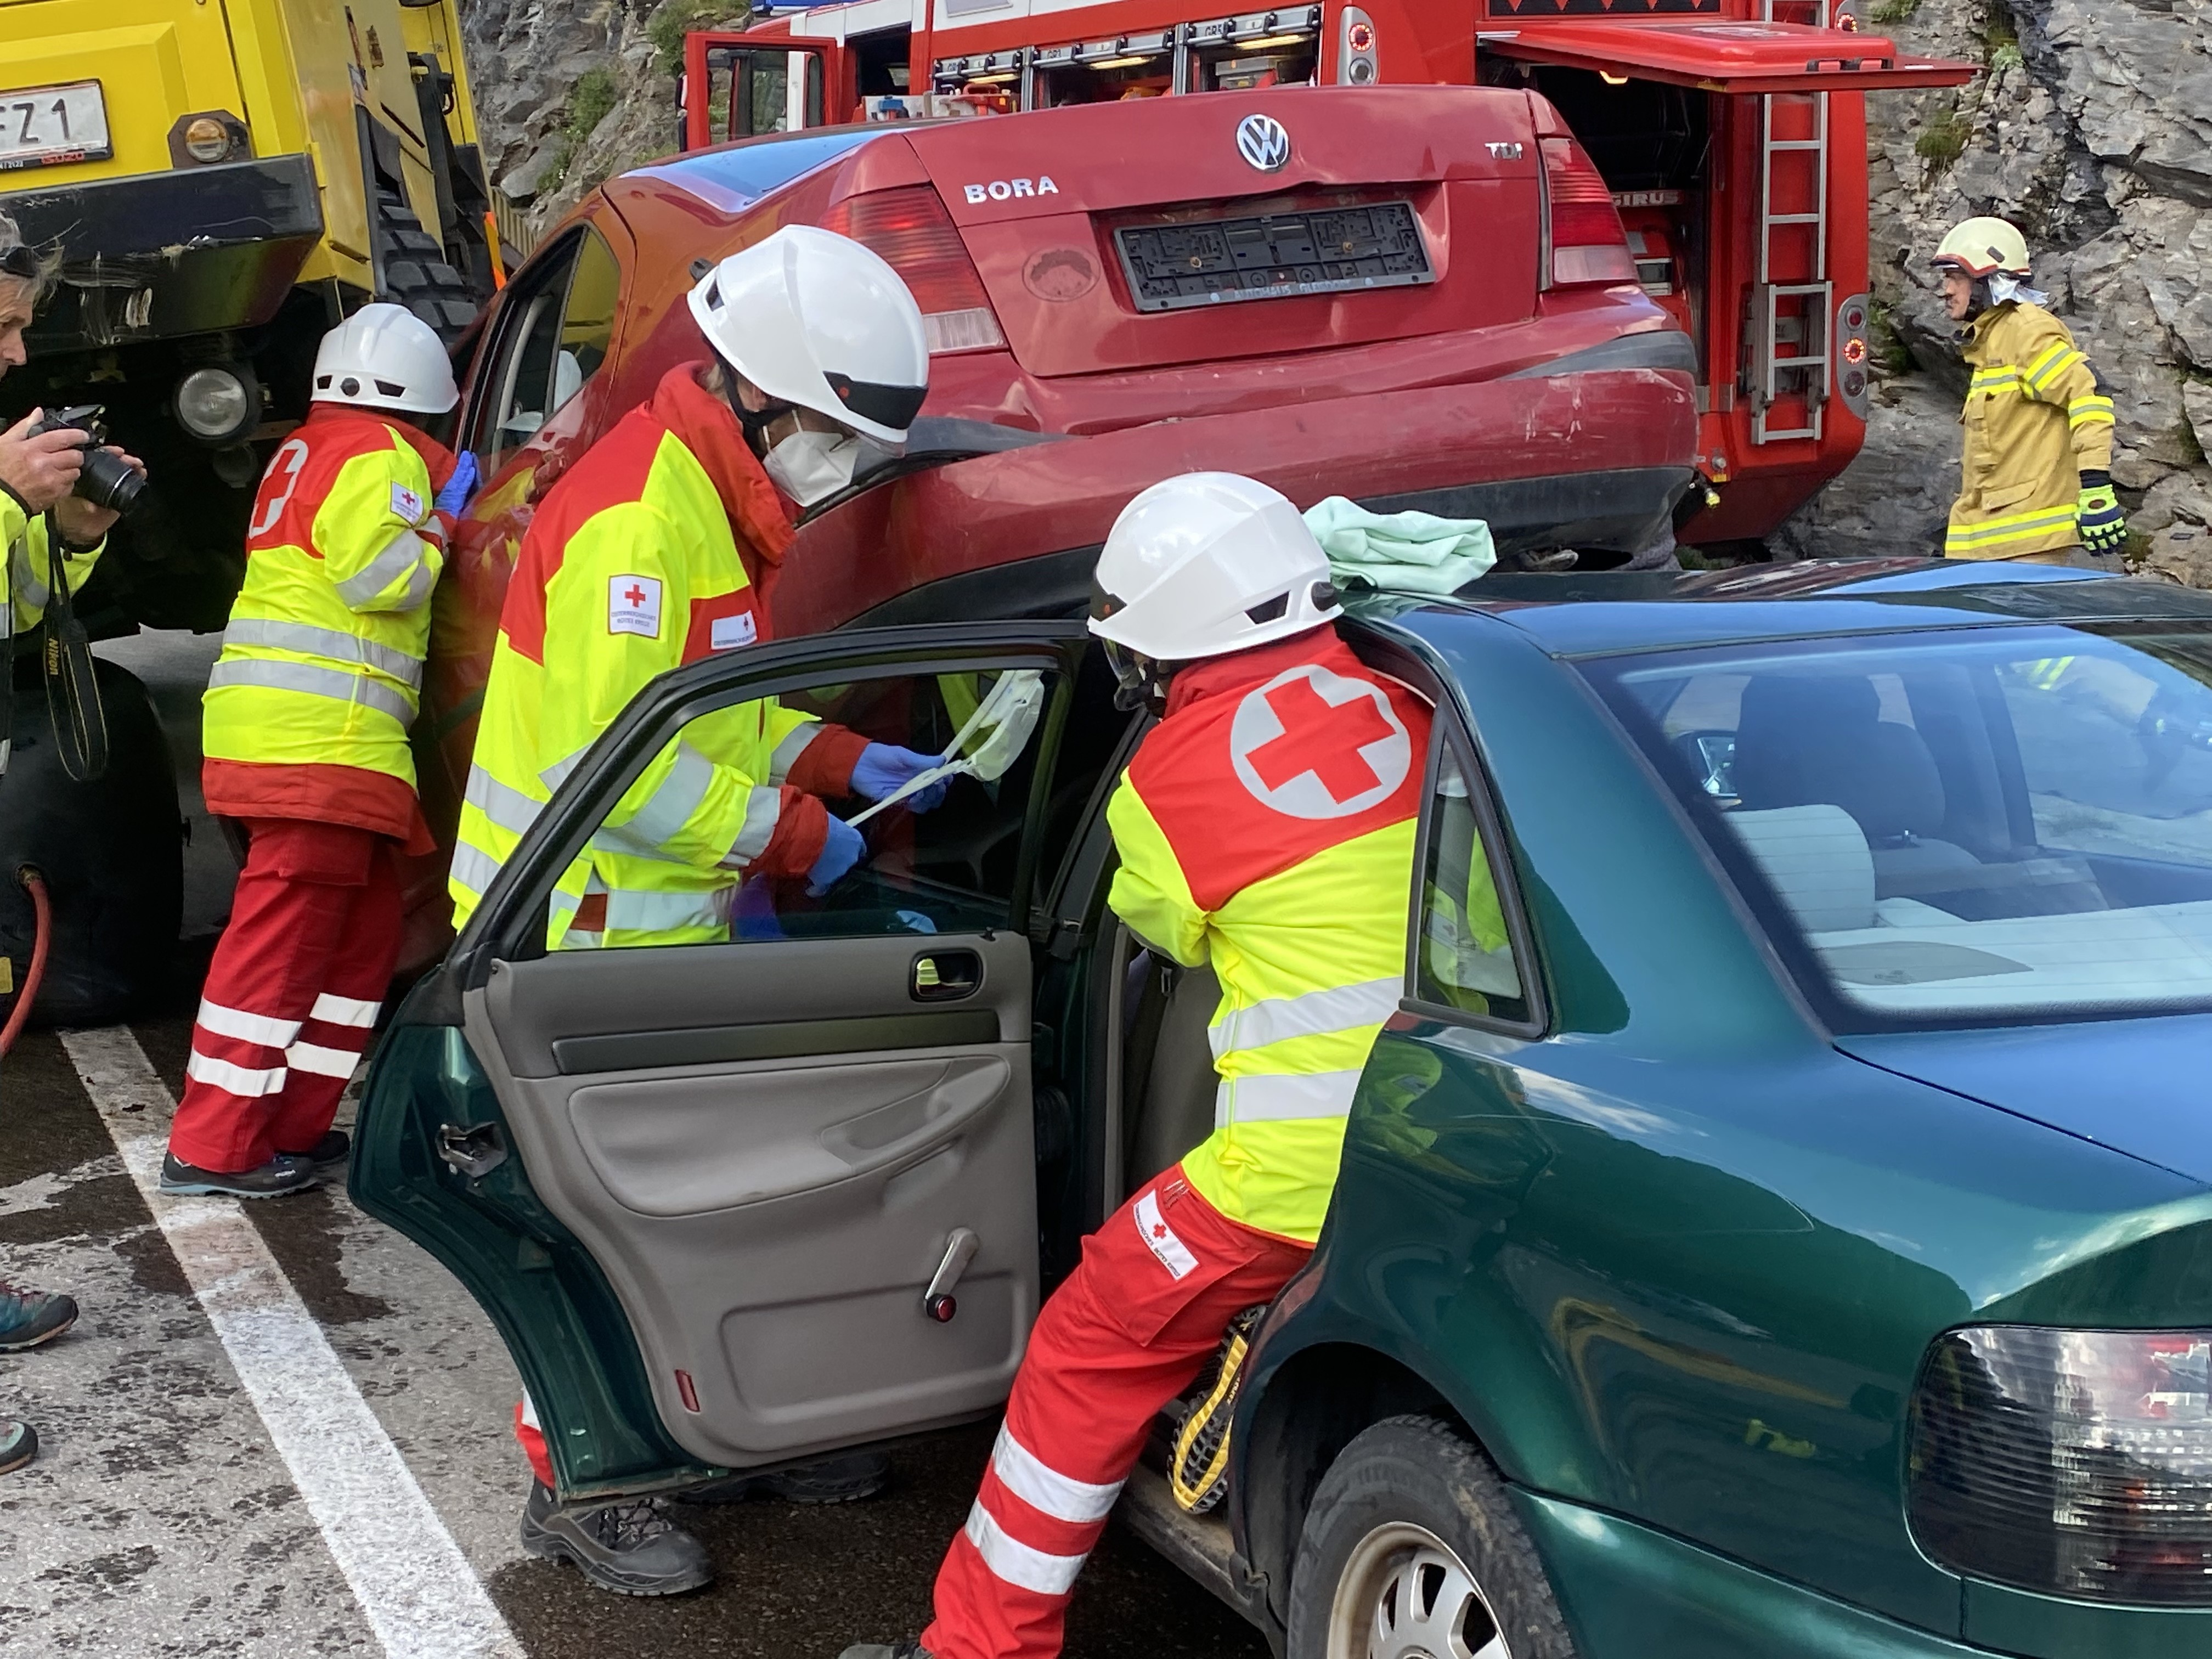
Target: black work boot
(883, 1651)
(834, 1480)
(19, 1444)
(30, 1317)
(280, 1174)
(327, 1153)
(630, 1548)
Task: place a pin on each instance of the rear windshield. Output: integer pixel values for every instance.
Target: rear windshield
(1972, 826)
(742, 174)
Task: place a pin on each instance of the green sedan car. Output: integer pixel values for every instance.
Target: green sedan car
(1777, 1221)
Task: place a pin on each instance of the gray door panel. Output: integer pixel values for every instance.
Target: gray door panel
(769, 1223)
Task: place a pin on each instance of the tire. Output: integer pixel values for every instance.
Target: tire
(411, 270)
(1411, 1548)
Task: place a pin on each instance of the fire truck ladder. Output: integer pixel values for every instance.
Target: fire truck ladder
(1792, 299)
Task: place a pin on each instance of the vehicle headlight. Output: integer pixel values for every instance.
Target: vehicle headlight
(216, 404)
(2075, 1464)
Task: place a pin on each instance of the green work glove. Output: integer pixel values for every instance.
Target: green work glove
(2103, 527)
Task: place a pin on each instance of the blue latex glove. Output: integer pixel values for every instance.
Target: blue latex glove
(454, 500)
(883, 767)
(845, 848)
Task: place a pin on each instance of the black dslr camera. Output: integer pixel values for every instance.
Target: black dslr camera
(107, 480)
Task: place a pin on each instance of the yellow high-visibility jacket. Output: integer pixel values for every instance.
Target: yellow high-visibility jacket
(308, 706)
(26, 578)
(2035, 420)
(637, 563)
(1267, 826)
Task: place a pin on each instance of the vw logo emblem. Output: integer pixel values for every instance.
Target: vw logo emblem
(1264, 142)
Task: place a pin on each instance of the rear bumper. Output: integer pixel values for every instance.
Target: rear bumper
(1594, 460)
(1632, 1593)
(156, 255)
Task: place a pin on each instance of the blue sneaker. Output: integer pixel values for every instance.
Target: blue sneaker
(30, 1317)
(19, 1444)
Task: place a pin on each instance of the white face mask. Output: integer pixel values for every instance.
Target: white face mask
(812, 467)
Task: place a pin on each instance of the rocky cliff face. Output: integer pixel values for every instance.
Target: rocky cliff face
(2091, 131)
(570, 91)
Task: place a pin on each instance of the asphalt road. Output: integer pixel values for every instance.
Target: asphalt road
(203, 1488)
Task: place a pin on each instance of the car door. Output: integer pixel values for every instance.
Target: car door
(736, 1201)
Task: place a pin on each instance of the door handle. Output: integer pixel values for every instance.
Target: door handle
(959, 1250)
(945, 975)
(474, 1152)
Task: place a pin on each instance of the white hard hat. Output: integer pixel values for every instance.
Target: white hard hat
(1208, 564)
(1981, 248)
(384, 356)
(815, 319)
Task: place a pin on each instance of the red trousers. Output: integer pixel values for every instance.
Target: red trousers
(292, 995)
(1126, 1334)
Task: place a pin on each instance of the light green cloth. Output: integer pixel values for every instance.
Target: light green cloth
(1401, 552)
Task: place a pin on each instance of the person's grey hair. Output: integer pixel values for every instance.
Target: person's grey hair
(46, 262)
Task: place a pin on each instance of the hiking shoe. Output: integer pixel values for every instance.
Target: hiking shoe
(326, 1153)
(884, 1650)
(30, 1317)
(280, 1174)
(632, 1548)
(19, 1444)
(834, 1480)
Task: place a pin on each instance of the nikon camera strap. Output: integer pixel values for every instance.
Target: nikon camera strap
(72, 694)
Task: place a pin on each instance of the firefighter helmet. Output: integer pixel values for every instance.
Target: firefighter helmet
(1982, 247)
(1208, 563)
(817, 320)
(384, 356)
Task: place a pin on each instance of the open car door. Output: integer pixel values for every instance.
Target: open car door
(736, 1202)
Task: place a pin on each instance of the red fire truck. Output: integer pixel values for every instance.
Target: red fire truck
(1732, 134)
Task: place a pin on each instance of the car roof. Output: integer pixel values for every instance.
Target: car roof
(1602, 613)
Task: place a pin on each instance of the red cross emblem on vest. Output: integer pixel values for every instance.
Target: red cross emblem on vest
(1316, 744)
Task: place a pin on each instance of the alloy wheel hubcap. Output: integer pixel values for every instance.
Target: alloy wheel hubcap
(1405, 1594)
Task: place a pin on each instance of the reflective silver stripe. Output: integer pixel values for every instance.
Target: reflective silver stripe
(418, 589)
(789, 751)
(645, 911)
(554, 775)
(250, 1082)
(763, 809)
(507, 807)
(340, 684)
(402, 551)
(473, 869)
(321, 1061)
(325, 642)
(1062, 1497)
(28, 588)
(1278, 1097)
(345, 1011)
(1017, 1563)
(246, 1027)
(1340, 1007)
(670, 807)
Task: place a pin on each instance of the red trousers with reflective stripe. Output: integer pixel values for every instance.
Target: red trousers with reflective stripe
(1126, 1334)
(292, 993)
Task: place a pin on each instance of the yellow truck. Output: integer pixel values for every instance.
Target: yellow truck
(222, 180)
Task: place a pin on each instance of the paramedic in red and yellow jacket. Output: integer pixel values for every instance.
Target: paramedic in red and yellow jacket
(306, 743)
(1265, 826)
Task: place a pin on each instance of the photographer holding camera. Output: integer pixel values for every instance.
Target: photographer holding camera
(41, 463)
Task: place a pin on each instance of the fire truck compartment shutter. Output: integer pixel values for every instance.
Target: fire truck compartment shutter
(1727, 57)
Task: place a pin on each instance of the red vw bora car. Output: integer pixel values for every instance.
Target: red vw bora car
(1418, 297)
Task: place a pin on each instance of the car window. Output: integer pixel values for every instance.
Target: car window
(951, 868)
(554, 334)
(1464, 957)
(1972, 824)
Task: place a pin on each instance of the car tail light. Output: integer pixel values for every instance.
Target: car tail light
(917, 238)
(2075, 1464)
(1584, 238)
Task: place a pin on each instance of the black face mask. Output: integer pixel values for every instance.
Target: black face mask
(1138, 682)
(755, 422)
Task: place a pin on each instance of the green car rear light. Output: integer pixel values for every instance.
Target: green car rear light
(2075, 1464)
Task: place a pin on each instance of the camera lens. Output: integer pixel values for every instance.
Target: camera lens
(109, 481)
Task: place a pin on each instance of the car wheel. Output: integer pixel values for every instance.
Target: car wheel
(1411, 1551)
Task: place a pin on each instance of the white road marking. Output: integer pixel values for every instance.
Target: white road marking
(415, 1589)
